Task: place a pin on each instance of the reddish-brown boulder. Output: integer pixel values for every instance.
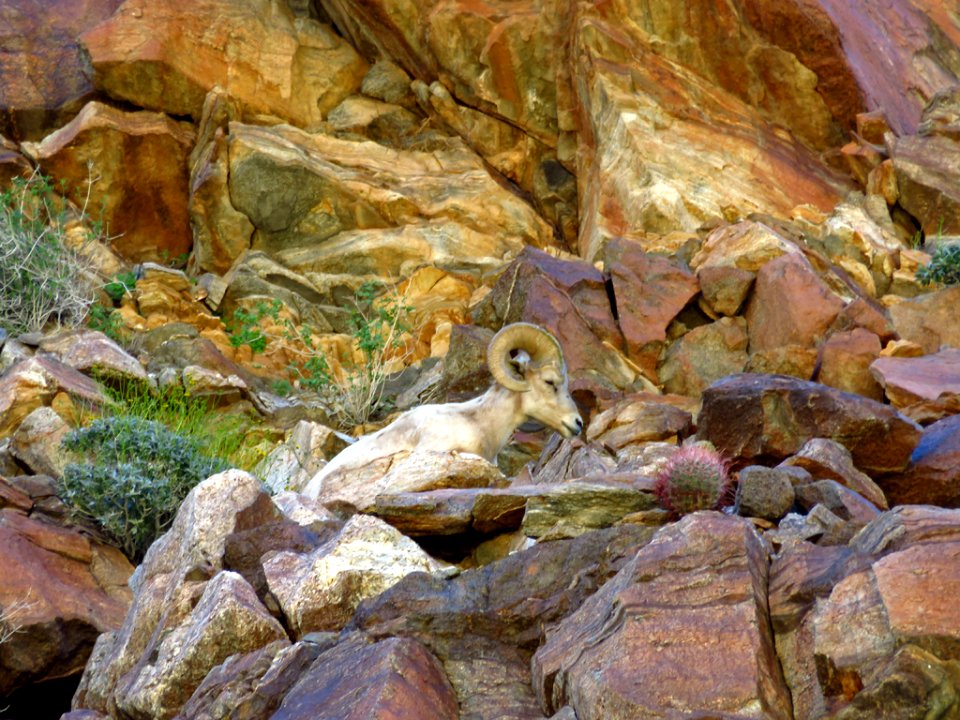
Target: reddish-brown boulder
(933, 476)
(59, 591)
(649, 292)
(790, 305)
(395, 678)
(923, 388)
(845, 362)
(771, 416)
(129, 171)
(42, 69)
(693, 600)
(484, 624)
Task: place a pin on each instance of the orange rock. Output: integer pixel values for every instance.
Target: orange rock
(133, 166)
(845, 362)
(166, 55)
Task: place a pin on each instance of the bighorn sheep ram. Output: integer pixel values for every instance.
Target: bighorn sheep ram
(527, 364)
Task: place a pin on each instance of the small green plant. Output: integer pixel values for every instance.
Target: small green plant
(42, 278)
(378, 319)
(106, 320)
(245, 327)
(135, 475)
(120, 285)
(694, 478)
(943, 268)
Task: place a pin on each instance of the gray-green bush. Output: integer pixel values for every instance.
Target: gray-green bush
(134, 476)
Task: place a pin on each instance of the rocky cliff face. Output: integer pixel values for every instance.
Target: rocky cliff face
(718, 208)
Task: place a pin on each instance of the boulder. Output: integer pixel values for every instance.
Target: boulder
(843, 502)
(94, 353)
(484, 624)
(395, 677)
(845, 362)
(830, 460)
(648, 292)
(790, 305)
(771, 416)
(573, 508)
(933, 475)
(165, 56)
(43, 73)
(355, 488)
(36, 443)
(228, 618)
(454, 511)
(128, 170)
(723, 289)
(36, 381)
(166, 587)
(693, 599)
(252, 684)
(929, 320)
(641, 418)
(764, 492)
(840, 628)
(320, 590)
(746, 246)
(704, 355)
(60, 591)
(923, 388)
(870, 614)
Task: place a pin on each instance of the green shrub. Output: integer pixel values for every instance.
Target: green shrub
(42, 279)
(136, 474)
(944, 266)
(108, 321)
(378, 320)
(120, 285)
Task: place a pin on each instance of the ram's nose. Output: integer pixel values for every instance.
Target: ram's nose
(575, 427)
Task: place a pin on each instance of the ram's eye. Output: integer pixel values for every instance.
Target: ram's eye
(552, 383)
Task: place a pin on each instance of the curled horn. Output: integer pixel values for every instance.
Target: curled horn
(534, 340)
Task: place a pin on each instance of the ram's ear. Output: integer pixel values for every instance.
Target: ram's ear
(520, 363)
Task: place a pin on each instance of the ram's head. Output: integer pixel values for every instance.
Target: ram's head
(527, 359)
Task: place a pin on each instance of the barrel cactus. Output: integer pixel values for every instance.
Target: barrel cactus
(694, 478)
